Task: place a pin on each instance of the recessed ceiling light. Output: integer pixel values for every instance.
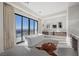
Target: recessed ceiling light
(27, 3)
(40, 11)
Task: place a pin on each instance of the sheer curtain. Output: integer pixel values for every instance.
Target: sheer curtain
(9, 26)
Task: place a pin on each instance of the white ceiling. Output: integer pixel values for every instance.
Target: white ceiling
(43, 9)
(46, 8)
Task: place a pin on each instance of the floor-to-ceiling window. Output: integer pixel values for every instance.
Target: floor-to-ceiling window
(36, 27)
(31, 26)
(18, 28)
(25, 26)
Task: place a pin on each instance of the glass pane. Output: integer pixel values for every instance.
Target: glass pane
(18, 28)
(25, 26)
(36, 27)
(31, 26)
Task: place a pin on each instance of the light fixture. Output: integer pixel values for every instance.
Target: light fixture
(40, 11)
(27, 3)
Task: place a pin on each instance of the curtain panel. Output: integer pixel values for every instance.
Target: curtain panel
(8, 26)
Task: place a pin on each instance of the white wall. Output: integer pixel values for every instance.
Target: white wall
(55, 20)
(73, 21)
(73, 15)
(1, 27)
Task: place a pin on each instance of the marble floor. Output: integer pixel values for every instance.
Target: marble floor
(25, 51)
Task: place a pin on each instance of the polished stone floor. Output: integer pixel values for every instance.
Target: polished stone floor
(67, 52)
(25, 51)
